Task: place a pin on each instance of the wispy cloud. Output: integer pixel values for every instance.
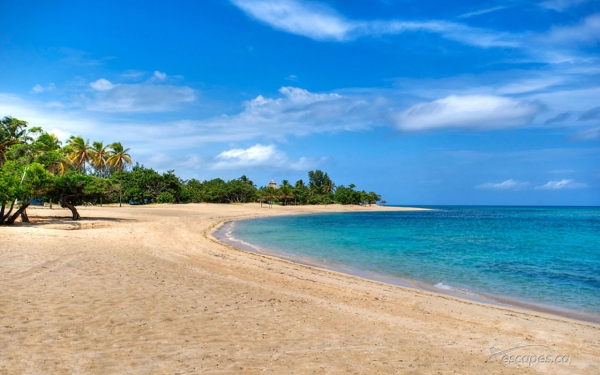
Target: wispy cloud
(478, 112)
(261, 156)
(560, 118)
(504, 185)
(560, 5)
(592, 114)
(145, 97)
(316, 22)
(482, 11)
(561, 184)
(586, 32)
(38, 89)
(587, 134)
(319, 22)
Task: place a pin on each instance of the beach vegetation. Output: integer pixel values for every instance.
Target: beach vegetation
(35, 165)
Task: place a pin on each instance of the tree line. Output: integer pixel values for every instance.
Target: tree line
(34, 164)
(144, 185)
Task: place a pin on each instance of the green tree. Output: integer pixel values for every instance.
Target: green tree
(79, 152)
(99, 154)
(192, 191)
(286, 191)
(12, 132)
(118, 159)
(75, 188)
(21, 181)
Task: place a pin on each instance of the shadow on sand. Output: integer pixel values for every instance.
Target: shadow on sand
(67, 223)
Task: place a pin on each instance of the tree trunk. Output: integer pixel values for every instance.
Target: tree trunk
(120, 188)
(11, 220)
(51, 203)
(68, 205)
(24, 216)
(7, 215)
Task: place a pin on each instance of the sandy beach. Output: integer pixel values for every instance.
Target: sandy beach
(149, 290)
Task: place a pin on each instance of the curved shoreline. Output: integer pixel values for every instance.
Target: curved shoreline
(491, 300)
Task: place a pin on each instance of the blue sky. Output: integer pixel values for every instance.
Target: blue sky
(425, 102)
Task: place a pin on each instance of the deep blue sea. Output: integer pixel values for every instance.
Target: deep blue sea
(547, 256)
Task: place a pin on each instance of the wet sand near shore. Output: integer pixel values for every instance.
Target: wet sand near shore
(139, 290)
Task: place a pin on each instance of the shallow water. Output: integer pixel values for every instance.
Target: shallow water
(547, 256)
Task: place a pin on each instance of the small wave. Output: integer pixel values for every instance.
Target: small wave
(444, 286)
(230, 237)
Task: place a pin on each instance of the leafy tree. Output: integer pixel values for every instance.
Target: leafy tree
(320, 182)
(74, 188)
(144, 185)
(286, 191)
(165, 197)
(215, 191)
(192, 191)
(12, 132)
(240, 190)
(21, 181)
(347, 195)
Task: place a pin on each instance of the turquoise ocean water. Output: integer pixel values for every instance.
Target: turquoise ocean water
(546, 256)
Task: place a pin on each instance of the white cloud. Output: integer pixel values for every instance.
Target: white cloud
(586, 32)
(102, 85)
(482, 11)
(562, 184)
(163, 162)
(145, 97)
(300, 112)
(560, 5)
(319, 22)
(449, 30)
(159, 75)
(260, 156)
(530, 85)
(478, 112)
(37, 89)
(58, 120)
(505, 185)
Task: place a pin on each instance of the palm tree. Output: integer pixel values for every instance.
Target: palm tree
(285, 192)
(12, 131)
(118, 159)
(80, 152)
(49, 152)
(48, 142)
(99, 155)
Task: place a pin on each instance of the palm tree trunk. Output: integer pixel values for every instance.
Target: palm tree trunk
(120, 186)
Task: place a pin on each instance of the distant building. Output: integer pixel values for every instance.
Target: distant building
(273, 184)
